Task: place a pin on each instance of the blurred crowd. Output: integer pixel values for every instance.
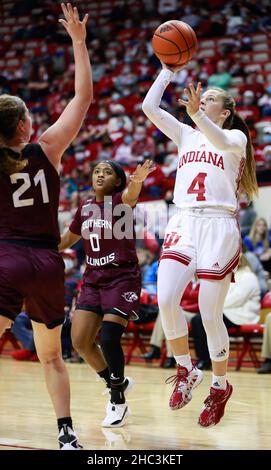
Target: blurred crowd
(36, 63)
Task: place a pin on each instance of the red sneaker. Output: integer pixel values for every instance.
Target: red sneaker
(22, 355)
(184, 382)
(214, 406)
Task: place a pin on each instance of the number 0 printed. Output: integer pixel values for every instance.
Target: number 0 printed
(94, 242)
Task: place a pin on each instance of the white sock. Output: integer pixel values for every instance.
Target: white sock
(184, 361)
(219, 381)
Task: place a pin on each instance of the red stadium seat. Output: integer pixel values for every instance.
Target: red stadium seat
(266, 301)
(136, 336)
(251, 336)
(8, 336)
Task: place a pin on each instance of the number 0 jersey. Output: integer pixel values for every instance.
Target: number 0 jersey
(211, 159)
(102, 225)
(29, 200)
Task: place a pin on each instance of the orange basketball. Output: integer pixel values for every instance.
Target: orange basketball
(174, 42)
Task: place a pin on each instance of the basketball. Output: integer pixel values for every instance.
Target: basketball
(174, 42)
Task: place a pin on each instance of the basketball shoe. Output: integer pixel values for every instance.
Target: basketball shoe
(67, 439)
(116, 415)
(214, 406)
(184, 382)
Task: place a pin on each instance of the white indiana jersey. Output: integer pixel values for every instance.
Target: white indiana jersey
(211, 159)
(207, 176)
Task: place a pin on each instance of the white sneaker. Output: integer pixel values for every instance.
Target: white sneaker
(116, 415)
(67, 439)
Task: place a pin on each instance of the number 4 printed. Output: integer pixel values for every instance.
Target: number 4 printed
(197, 187)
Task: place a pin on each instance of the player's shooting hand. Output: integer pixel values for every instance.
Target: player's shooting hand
(142, 171)
(172, 68)
(193, 95)
(74, 27)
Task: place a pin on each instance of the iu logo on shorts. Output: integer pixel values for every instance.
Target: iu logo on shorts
(171, 239)
(130, 296)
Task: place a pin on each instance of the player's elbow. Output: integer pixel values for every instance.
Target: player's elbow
(89, 96)
(147, 107)
(85, 94)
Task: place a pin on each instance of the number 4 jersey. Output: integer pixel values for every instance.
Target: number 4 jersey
(29, 200)
(207, 176)
(211, 159)
(107, 230)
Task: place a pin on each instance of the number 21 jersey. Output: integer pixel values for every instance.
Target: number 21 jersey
(29, 200)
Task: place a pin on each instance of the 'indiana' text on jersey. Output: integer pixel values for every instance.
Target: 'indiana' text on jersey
(202, 156)
(206, 175)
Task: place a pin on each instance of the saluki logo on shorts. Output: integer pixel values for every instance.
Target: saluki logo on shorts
(130, 296)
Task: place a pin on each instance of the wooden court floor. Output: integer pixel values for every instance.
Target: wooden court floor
(27, 420)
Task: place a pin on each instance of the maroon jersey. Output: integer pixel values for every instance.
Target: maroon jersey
(108, 232)
(29, 200)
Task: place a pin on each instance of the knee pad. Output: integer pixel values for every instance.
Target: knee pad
(111, 334)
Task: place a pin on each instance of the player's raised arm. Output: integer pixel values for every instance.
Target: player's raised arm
(131, 193)
(59, 136)
(167, 123)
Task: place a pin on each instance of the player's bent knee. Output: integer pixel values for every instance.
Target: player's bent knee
(50, 357)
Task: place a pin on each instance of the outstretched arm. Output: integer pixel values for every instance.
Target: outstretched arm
(68, 239)
(131, 193)
(59, 136)
(167, 123)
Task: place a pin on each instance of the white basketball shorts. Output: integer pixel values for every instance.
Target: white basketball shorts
(206, 239)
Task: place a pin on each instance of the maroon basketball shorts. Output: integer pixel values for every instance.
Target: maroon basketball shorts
(34, 276)
(113, 290)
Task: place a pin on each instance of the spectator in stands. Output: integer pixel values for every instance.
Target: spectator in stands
(119, 123)
(267, 153)
(258, 270)
(153, 185)
(266, 137)
(142, 143)
(247, 108)
(242, 306)
(266, 347)
(221, 78)
(258, 242)
(149, 278)
(265, 102)
(22, 330)
(123, 153)
(247, 214)
(252, 83)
